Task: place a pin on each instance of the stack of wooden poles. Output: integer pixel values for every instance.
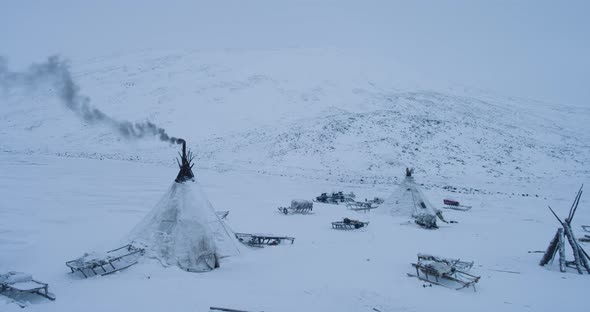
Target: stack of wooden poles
(581, 258)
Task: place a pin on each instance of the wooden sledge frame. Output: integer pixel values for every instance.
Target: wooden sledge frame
(287, 210)
(360, 206)
(455, 205)
(347, 226)
(259, 240)
(41, 290)
(462, 278)
(335, 198)
(455, 263)
(327, 201)
(104, 264)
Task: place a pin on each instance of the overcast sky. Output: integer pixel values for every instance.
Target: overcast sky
(538, 49)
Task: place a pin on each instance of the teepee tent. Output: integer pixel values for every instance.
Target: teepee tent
(183, 228)
(409, 201)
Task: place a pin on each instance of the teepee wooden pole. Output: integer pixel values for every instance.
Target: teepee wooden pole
(575, 208)
(575, 205)
(553, 212)
(583, 257)
(561, 244)
(551, 249)
(584, 252)
(584, 261)
(572, 240)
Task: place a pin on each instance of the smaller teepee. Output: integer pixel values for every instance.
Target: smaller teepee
(183, 229)
(409, 201)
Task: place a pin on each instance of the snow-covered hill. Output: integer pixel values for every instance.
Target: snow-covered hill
(332, 116)
(441, 134)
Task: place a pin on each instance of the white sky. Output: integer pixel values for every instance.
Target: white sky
(537, 49)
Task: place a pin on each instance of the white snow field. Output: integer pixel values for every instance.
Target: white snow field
(266, 132)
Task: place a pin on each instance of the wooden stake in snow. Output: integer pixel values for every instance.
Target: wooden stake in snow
(558, 243)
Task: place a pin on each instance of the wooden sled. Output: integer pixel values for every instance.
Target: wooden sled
(348, 224)
(455, 205)
(298, 206)
(361, 206)
(335, 198)
(112, 261)
(444, 272)
(455, 263)
(291, 210)
(14, 283)
(259, 240)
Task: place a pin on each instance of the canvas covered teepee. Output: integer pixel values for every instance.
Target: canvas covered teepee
(183, 228)
(409, 201)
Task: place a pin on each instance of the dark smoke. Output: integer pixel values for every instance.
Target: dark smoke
(56, 72)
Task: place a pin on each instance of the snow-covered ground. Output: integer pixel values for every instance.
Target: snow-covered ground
(54, 209)
(265, 132)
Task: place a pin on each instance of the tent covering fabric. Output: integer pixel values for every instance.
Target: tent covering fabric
(183, 230)
(407, 201)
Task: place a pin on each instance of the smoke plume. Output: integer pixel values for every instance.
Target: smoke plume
(55, 71)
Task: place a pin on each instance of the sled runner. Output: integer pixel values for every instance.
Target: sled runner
(14, 283)
(360, 206)
(259, 240)
(298, 206)
(91, 264)
(444, 272)
(348, 224)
